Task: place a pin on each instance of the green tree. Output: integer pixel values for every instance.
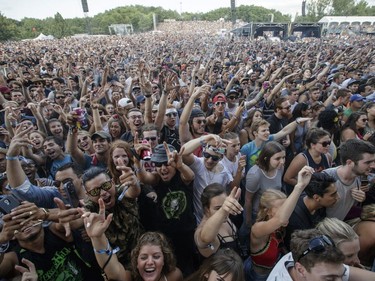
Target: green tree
(60, 26)
(8, 28)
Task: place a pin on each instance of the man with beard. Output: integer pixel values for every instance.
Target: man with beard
(358, 159)
(278, 120)
(135, 121)
(121, 201)
(101, 144)
(169, 132)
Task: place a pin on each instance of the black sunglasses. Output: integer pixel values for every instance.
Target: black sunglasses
(325, 143)
(213, 157)
(96, 191)
(159, 164)
(317, 245)
(204, 121)
(60, 97)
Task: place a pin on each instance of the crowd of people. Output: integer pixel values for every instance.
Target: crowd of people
(186, 156)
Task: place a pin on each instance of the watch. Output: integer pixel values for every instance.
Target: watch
(4, 247)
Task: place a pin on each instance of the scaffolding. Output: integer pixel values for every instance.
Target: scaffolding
(121, 29)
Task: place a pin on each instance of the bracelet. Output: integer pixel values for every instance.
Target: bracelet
(102, 251)
(46, 213)
(11, 158)
(105, 277)
(107, 251)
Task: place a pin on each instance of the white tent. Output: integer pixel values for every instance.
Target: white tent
(41, 36)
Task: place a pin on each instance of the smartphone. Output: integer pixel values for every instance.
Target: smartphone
(8, 203)
(71, 193)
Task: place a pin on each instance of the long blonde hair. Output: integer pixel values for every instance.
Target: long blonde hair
(266, 202)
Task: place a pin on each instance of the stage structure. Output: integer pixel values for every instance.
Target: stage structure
(121, 29)
(303, 30)
(268, 29)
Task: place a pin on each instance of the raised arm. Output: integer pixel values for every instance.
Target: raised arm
(96, 225)
(289, 128)
(206, 234)
(15, 174)
(281, 218)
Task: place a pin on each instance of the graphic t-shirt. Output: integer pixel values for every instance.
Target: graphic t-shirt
(59, 262)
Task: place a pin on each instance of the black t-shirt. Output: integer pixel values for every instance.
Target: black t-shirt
(174, 212)
(60, 261)
(302, 219)
(276, 124)
(170, 137)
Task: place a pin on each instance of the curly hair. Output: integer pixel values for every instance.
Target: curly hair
(266, 202)
(153, 239)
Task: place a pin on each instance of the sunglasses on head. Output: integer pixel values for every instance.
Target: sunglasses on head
(96, 191)
(213, 157)
(204, 121)
(159, 164)
(325, 143)
(317, 245)
(171, 114)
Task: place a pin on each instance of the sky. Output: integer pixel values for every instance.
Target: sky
(18, 9)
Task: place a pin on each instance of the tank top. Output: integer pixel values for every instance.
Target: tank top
(318, 167)
(269, 255)
(234, 243)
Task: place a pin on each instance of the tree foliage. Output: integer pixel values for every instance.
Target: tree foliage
(316, 9)
(142, 18)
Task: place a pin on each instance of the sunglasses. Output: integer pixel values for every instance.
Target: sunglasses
(220, 103)
(213, 157)
(171, 114)
(96, 191)
(150, 138)
(159, 164)
(317, 245)
(60, 97)
(325, 143)
(204, 121)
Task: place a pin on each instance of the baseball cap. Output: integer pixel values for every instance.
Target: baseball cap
(219, 97)
(101, 134)
(356, 97)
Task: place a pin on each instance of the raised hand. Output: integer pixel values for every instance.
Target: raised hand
(97, 224)
(28, 274)
(304, 176)
(231, 205)
(174, 157)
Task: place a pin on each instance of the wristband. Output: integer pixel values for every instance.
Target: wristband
(107, 251)
(11, 158)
